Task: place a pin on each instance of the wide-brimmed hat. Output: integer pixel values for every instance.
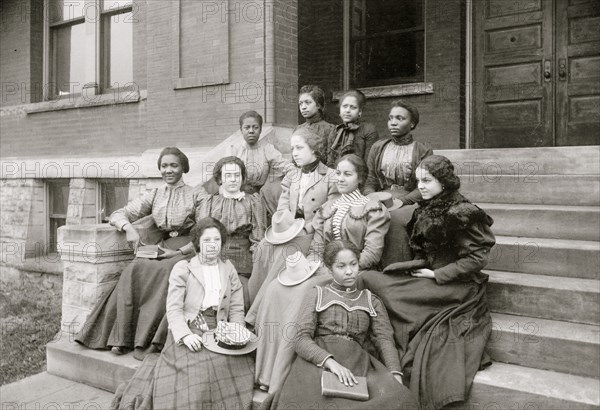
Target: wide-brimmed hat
(386, 199)
(297, 269)
(283, 227)
(210, 342)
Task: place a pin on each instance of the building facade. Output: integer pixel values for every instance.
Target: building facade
(93, 89)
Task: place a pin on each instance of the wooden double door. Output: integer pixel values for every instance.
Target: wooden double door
(536, 73)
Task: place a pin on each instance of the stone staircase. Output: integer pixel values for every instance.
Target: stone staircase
(544, 288)
(544, 283)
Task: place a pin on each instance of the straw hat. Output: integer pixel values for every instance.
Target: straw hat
(297, 269)
(386, 199)
(210, 341)
(283, 228)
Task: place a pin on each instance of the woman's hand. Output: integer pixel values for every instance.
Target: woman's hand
(423, 273)
(193, 342)
(344, 375)
(133, 237)
(398, 379)
(167, 253)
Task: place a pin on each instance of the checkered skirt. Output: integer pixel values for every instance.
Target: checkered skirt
(181, 379)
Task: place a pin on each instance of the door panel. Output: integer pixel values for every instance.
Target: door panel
(514, 102)
(578, 65)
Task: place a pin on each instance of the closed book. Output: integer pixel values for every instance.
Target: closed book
(148, 251)
(331, 387)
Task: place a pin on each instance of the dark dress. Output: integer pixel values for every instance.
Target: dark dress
(129, 314)
(441, 325)
(334, 323)
(352, 138)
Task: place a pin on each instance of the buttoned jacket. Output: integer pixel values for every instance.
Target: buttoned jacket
(320, 190)
(186, 294)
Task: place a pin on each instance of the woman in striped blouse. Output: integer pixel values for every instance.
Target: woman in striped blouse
(354, 217)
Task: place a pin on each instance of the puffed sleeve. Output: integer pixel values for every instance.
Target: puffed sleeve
(202, 205)
(236, 300)
(134, 210)
(378, 224)
(372, 183)
(474, 244)
(257, 219)
(382, 335)
(317, 245)
(305, 344)
(277, 164)
(421, 152)
(175, 299)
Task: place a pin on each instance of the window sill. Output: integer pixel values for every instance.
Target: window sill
(66, 103)
(399, 90)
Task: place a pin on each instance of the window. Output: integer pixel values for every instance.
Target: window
(81, 32)
(58, 202)
(386, 42)
(114, 194)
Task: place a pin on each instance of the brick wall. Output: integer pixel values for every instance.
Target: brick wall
(321, 58)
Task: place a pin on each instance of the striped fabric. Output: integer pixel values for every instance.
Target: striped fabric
(342, 205)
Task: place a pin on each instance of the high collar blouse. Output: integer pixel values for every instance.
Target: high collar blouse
(171, 207)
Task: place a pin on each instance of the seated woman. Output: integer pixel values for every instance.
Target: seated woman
(265, 165)
(186, 375)
(353, 136)
(128, 316)
(439, 313)
(353, 216)
(311, 102)
(392, 163)
(243, 215)
(333, 325)
(304, 189)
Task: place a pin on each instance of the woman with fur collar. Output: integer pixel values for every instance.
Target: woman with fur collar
(438, 306)
(354, 217)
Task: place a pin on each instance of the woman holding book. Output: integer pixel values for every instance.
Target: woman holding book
(199, 367)
(439, 309)
(334, 324)
(128, 315)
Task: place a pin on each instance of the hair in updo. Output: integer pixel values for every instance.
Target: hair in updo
(414, 112)
(228, 160)
(443, 170)
(361, 99)
(183, 159)
(316, 93)
(359, 166)
(333, 248)
(204, 224)
(314, 141)
(251, 114)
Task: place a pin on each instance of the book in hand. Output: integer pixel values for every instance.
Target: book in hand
(331, 387)
(148, 251)
(406, 266)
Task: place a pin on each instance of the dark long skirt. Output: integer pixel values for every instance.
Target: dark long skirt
(181, 379)
(440, 332)
(130, 314)
(302, 388)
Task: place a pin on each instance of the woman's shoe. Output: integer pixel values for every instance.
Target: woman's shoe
(119, 350)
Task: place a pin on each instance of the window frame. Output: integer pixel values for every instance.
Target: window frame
(419, 87)
(52, 247)
(96, 71)
(99, 189)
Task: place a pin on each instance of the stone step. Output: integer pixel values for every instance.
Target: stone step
(577, 190)
(511, 387)
(545, 344)
(546, 297)
(583, 160)
(96, 368)
(545, 221)
(543, 256)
